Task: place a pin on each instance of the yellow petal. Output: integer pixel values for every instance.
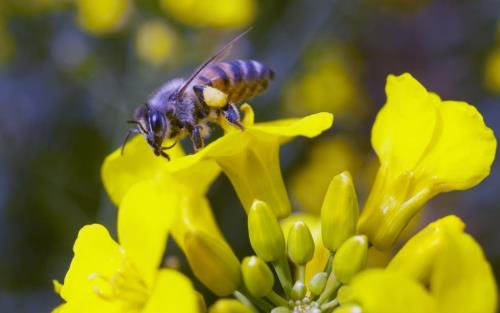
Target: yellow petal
(250, 158)
(146, 213)
(172, 292)
(462, 280)
(138, 163)
(405, 125)
(97, 256)
(379, 291)
(120, 172)
(321, 254)
(462, 150)
(194, 214)
(452, 264)
(309, 126)
(416, 258)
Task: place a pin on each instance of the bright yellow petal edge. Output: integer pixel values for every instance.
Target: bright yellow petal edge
(425, 146)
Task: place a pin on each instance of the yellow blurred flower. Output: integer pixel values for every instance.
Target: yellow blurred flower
(492, 70)
(155, 42)
(106, 276)
(329, 83)
(100, 17)
(425, 146)
(325, 159)
(213, 13)
(8, 46)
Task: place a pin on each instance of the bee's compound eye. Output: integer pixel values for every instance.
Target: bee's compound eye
(157, 122)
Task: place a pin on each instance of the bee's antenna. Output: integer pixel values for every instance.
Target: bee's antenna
(137, 123)
(130, 132)
(169, 147)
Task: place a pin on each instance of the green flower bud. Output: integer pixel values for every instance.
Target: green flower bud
(300, 243)
(345, 295)
(318, 282)
(257, 276)
(350, 258)
(213, 262)
(280, 309)
(350, 308)
(299, 290)
(340, 211)
(229, 306)
(265, 233)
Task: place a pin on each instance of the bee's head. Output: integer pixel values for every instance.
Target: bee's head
(155, 127)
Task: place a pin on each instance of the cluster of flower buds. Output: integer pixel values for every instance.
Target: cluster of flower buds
(253, 281)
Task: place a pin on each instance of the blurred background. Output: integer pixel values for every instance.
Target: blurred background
(72, 71)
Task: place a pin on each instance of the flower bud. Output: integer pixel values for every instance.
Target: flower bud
(318, 282)
(299, 290)
(257, 276)
(265, 233)
(350, 308)
(339, 213)
(300, 243)
(350, 258)
(213, 262)
(229, 306)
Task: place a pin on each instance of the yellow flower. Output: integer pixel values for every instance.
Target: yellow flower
(106, 276)
(425, 146)
(250, 158)
(214, 13)
(441, 269)
(139, 165)
(155, 42)
(103, 16)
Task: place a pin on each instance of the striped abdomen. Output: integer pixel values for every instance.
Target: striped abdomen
(239, 79)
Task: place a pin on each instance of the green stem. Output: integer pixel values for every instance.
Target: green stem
(330, 305)
(276, 299)
(302, 273)
(331, 286)
(328, 266)
(250, 301)
(283, 271)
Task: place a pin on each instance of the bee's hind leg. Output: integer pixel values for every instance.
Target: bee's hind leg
(232, 115)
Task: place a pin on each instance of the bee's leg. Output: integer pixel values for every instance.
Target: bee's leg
(232, 115)
(196, 138)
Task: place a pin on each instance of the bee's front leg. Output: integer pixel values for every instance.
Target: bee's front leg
(197, 138)
(231, 114)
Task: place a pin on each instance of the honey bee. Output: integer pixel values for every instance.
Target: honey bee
(181, 107)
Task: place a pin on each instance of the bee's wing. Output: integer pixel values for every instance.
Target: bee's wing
(221, 54)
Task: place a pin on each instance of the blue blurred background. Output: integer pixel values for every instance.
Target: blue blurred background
(71, 73)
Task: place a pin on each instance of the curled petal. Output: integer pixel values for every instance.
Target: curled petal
(462, 152)
(405, 125)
